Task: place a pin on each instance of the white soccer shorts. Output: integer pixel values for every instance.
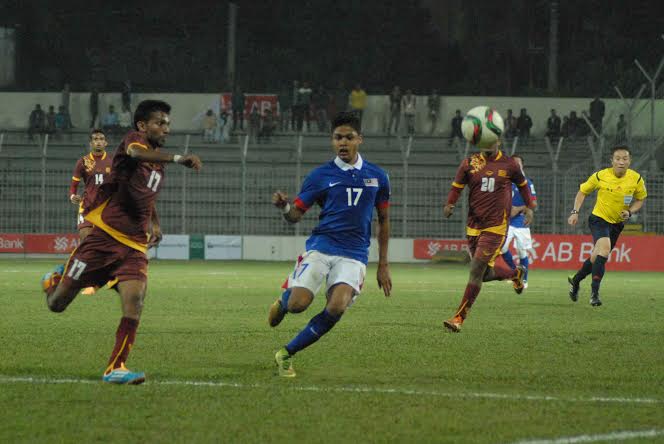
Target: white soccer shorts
(315, 267)
(522, 240)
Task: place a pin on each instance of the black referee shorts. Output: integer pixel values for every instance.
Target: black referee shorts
(601, 228)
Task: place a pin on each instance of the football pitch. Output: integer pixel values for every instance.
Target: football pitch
(528, 368)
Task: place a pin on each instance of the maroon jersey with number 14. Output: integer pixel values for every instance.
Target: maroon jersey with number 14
(93, 171)
(126, 215)
(490, 191)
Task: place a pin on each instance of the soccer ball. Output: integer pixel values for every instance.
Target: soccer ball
(482, 126)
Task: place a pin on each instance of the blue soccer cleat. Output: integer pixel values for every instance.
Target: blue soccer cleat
(122, 375)
(51, 279)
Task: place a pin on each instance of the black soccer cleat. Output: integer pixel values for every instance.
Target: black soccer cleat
(594, 300)
(573, 289)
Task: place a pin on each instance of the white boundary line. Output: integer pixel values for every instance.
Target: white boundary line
(613, 436)
(4, 379)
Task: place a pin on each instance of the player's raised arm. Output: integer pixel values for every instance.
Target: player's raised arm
(292, 213)
(188, 160)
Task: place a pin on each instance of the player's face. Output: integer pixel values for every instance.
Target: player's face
(156, 128)
(346, 142)
(493, 149)
(620, 162)
(98, 142)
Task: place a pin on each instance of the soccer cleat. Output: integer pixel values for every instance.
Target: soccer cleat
(517, 281)
(525, 285)
(89, 291)
(276, 314)
(122, 375)
(284, 363)
(594, 300)
(454, 324)
(51, 279)
(573, 289)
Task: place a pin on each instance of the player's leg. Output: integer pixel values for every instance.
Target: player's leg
(489, 242)
(505, 250)
(84, 229)
(524, 244)
(599, 229)
(601, 253)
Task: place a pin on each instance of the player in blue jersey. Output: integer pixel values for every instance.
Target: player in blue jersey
(347, 189)
(519, 232)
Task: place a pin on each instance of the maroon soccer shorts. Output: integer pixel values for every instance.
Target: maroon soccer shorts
(485, 247)
(82, 223)
(100, 259)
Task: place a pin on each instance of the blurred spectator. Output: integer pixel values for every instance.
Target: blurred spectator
(94, 107)
(267, 127)
(320, 101)
(456, 127)
(564, 129)
(597, 109)
(295, 104)
(433, 103)
(223, 127)
(285, 108)
(573, 125)
(304, 106)
(254, 125)
(36, 121)
(63, 120)
(126, 94)
(510, 125)
(621, 130)
(395, 111)
(65, 96)
(340, 99)
(125, 119)
(523, 125)
(553, 125)
(409, 106)
(357, 99)
(209, 126)
(111, 121)
(331, 107)
(238, 108)
(50, 120)
(582, 128)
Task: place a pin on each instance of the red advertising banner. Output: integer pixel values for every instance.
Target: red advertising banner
(38, 243)
(567, 252)
(261, 102)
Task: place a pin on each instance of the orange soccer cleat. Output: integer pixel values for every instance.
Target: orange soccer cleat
(454, 324)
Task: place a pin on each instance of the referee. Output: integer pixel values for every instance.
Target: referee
(620, 194)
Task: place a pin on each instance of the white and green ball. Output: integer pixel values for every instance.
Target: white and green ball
(482, 126)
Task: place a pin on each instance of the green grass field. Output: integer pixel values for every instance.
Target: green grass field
(529, 367)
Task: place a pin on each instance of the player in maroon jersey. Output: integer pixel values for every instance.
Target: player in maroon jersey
(489, 176)
(125, 225)
(94, 170)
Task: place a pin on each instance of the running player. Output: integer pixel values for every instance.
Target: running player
(489, 175)
(620, 194)
(347, 189)
(125, 225)
(519, 231)
(93, 169)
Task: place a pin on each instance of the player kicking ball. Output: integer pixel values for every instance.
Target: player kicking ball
(347, 189)
(115, 249)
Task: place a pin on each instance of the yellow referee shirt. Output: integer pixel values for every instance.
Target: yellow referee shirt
(615, 193)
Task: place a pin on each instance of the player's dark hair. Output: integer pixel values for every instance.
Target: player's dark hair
(518, 156)
(347, 118)
(620, 147)
(97, 131)
(147, 107)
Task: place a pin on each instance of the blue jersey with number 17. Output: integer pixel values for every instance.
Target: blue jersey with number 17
(519, 221)
(347, 195)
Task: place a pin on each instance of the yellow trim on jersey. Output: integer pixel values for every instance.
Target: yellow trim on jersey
(458, 185)
(525, 182)
(80, 208)
(77, 179)
(492, 261)
(614, 194)
(499, 155)
(140, 145)
(94, 217)
(498, 229)
(93, 157)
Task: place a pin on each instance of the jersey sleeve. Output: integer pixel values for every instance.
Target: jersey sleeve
(641, 192)
(516, 175)
(384, 191)
(461, 178)
(591, 184)
(533, 193)
(78, 171)
(309, 193)
(135, 139)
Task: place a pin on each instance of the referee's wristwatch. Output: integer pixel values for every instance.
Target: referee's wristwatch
(574, 212)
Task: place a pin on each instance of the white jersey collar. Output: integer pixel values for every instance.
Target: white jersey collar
(345, 166)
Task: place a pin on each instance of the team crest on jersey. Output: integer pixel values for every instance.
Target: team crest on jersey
(89, 164)
(502, 173)
(373, 182)
(477, 163)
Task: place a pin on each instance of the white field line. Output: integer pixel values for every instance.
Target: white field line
(613, 436)
(340, 389)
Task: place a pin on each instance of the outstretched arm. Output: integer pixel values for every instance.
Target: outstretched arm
(383, 275)
(291, 213)
(144, 155)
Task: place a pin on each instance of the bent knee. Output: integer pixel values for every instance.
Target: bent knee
(297, 306)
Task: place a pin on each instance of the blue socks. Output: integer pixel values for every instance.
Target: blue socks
(507, 257)
(317, 327)
(524, 261)
(284, 299)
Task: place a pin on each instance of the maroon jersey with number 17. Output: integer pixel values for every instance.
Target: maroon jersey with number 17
(127, 213)
(489, 180)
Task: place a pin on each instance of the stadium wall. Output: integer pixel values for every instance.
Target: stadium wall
(189, 108)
